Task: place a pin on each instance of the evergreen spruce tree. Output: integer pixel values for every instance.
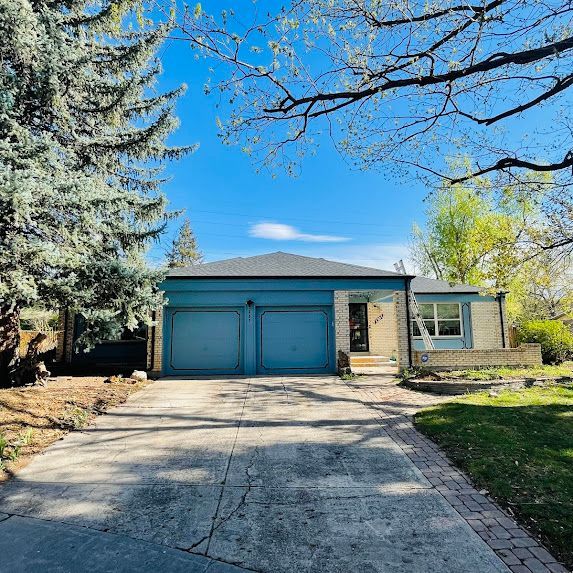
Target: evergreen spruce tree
(184, 250)
(82, 142)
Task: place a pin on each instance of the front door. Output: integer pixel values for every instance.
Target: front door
(358, 318)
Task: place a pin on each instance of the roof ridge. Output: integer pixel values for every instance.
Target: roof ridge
(281, 264)
(297, 255)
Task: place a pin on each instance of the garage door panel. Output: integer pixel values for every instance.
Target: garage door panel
(293, 340)
(206, 340)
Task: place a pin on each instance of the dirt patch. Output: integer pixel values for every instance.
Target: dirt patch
(34, 417)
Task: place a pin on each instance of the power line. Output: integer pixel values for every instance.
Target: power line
(286, 217)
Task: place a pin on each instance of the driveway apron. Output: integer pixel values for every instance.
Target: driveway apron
(277, 474)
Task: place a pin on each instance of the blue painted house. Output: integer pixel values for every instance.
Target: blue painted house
(281, 313)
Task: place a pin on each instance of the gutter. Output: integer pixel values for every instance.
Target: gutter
(313, 277)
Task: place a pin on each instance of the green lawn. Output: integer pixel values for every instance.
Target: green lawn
(519, 446)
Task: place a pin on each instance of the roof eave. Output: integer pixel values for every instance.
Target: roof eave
(240, 277)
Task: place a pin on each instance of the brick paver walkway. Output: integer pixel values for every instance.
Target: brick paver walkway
(395, 406)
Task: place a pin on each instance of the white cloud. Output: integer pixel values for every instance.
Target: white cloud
(281, 232)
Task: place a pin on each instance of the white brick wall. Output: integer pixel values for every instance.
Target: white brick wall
(486, 325)
(341, 326)
(382, 329)
(401, 328)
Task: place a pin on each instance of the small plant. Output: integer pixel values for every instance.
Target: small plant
(349, 376)
(413, 372)
(3, 445)
(27, 436)
(14, 453)
(75, 417)
(11, 451)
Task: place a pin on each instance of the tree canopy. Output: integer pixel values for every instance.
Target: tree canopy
(82, 142)
(542, 288)
(407, 81)
(477, 234)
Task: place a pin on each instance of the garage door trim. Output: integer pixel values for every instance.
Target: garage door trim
(201, 309)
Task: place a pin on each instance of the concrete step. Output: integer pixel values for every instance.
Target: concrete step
(368, 360)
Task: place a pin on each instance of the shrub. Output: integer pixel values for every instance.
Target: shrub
(10, 451)
(75, 417)
(555, 338)
(413, 372)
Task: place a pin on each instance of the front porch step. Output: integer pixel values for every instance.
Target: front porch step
(368, 360)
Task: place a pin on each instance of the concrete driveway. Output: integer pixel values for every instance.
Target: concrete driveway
(291, 474)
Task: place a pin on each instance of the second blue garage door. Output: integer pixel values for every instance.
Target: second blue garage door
(294, 340)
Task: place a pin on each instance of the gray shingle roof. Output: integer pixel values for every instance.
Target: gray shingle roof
(281, 264)
(424, 285)
(277, 265)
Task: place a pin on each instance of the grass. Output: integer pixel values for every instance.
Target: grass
(501, 373)
(32, 418)
(519, 446)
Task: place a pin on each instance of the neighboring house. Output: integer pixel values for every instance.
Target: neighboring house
(282, 314)
(565, 318)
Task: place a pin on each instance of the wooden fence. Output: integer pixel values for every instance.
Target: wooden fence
(26, 336)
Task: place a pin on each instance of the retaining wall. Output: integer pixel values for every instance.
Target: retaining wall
(525, 355)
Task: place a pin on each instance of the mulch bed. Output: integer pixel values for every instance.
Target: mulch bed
(43, 414)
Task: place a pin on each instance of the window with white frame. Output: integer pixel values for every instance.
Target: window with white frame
(442, 319)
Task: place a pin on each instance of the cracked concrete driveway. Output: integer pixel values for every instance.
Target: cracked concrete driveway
(291, 474)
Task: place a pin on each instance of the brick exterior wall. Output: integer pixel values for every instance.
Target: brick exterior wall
(401, 314)
(525, 355)
(155, 345)
(382, 329)
(341, 324)
(65, 337)
(486, 325)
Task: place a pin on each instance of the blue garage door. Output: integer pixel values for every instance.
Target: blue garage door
(294, 340)
(206, 341)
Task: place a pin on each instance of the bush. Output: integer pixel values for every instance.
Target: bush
(414, 372)
(555, 338)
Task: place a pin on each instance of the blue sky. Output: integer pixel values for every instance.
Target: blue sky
(330, 210)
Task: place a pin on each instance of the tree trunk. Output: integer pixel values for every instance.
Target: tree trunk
(30, 369)
(9, 342)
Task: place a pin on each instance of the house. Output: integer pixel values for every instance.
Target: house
(566, 318)
(281, 313)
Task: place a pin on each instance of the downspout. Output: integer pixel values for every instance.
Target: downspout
(408, 324)
(501, 318)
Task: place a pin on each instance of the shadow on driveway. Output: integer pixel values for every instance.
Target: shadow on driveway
(265, 474)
